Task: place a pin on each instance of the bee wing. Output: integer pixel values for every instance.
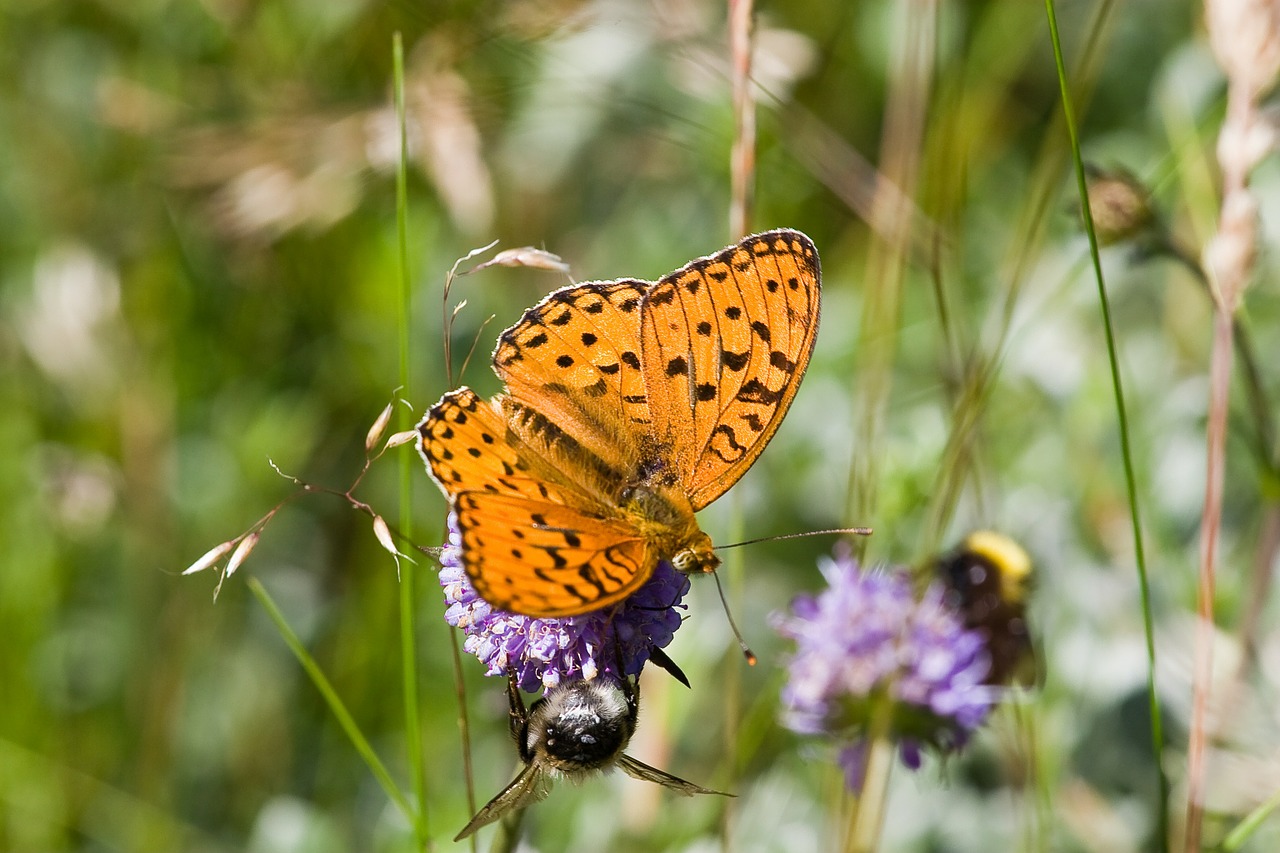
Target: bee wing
(640, 770)
(529, 787)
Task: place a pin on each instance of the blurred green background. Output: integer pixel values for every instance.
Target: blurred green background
(198, 273)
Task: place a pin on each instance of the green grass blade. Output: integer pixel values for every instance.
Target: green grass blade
(408, 627)
(331, 698)
(1157, 729)
(1238, 836)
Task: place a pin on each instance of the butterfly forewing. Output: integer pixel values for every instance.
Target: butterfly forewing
(724, 344)
(468, 446)
(575, 356)
(535, 557)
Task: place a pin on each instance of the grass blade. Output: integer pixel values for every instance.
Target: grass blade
(408, 630)
(1135, 520)
(331, 698)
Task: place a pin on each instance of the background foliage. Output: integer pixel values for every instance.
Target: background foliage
(198, 273)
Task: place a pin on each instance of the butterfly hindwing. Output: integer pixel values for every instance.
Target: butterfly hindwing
(536, 557)
(724, 344)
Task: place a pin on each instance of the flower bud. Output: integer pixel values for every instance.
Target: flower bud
(247, 544)
(212, 556)
(1119, 204)
(378, 428)
(525, 256)
(400, 438)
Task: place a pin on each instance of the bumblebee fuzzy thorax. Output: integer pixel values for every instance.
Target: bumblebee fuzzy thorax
(579, 727)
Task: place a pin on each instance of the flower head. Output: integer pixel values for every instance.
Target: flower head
(545, 652)
(869, 639)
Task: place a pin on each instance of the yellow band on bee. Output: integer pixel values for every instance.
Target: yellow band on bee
(1009, 558)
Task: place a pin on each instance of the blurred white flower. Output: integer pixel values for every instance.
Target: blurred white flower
(66, 324)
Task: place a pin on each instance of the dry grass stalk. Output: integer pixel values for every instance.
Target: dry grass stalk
(1245, 37)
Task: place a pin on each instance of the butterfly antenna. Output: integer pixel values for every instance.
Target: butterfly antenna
(737, 635)
(854, 531)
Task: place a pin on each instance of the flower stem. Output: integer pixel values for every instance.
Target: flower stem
(867, 816)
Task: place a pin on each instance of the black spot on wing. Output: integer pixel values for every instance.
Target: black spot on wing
(755, 391)
(732, 438)
(735, 361)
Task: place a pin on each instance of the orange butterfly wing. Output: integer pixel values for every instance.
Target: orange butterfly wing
(575, 358)
(467, 445)
(725, 342)
(534, 540)
(676, 385)
(548, 559)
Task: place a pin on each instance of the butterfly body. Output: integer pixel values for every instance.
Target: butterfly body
(666, 518)
(629, 406)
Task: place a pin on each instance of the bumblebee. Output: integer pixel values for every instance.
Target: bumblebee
(988, 582)
(576, 729)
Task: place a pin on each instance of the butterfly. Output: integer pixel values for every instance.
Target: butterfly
(629, 406)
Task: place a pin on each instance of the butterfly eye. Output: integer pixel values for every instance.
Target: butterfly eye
(685, 561)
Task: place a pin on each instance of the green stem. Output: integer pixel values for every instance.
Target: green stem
(331, 698)
(408, 628)
(1135, 521)
(1238, 836)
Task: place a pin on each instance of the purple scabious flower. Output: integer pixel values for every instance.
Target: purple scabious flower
(545, 652)
(869, 638)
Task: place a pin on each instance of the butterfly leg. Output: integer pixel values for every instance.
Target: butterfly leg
(518, 715)
(630, 685)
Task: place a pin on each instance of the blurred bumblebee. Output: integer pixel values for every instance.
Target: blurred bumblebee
(576, 729)
(988, 581)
